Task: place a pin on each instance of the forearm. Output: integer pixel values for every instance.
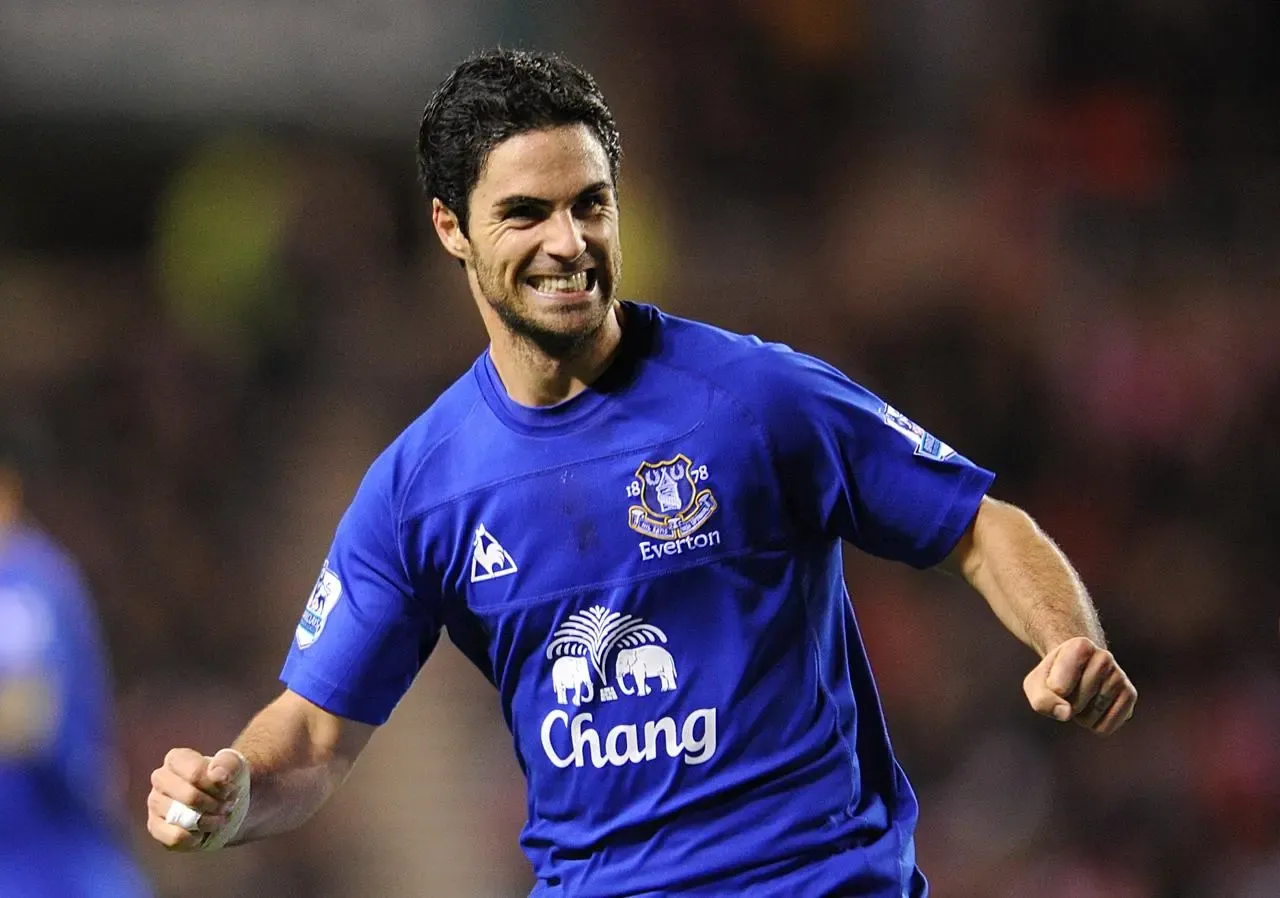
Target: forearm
(296, 763)
(1027, 580)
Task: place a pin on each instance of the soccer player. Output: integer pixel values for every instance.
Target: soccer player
(59, 834)
(632, 524)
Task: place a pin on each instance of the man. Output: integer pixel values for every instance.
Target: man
(632, 524)
(59, 839)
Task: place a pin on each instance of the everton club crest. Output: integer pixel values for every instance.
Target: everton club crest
(671, 504)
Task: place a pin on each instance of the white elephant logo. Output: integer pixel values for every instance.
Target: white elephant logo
(583, 644)
(644, 662)
(571, 673)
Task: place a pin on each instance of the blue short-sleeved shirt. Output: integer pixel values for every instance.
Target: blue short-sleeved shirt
(58, 835)
(650, 574)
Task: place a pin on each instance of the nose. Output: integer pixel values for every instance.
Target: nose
(564, 239)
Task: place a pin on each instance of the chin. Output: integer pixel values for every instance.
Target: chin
(564, 333)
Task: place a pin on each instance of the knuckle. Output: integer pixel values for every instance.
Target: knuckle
(1043, 704)
(173, 756)
(185, 793)
(162, 832)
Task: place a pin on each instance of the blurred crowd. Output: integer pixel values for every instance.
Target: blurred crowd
(1048, 234)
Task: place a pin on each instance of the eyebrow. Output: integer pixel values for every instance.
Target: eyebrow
(508, 203)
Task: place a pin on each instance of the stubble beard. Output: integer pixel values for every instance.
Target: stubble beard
(555, 344)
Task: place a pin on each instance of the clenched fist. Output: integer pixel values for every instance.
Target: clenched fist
(1081, 681)
(214, 787)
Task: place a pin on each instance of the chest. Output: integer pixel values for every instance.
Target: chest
(631, 513)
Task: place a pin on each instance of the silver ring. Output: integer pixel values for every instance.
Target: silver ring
(1101, 704)
(181, 815)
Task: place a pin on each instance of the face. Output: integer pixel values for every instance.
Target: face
(542, 256)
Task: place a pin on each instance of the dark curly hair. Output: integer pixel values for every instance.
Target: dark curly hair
(495, 95)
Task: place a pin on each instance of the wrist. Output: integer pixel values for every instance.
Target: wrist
(239, 809)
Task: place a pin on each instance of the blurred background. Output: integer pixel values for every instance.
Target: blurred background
(1046, 231)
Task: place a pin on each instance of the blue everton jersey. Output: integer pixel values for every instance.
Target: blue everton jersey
(650, 574)
(58, 836)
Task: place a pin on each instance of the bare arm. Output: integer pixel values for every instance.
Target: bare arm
(1025, 578)
(298, 754)
(1039, 597)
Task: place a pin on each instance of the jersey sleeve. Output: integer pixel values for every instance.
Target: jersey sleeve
(370, 622)
(854, 467)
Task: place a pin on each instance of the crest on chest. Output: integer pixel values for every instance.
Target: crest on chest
(672, 502)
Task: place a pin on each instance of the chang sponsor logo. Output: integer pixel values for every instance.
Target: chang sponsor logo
(581, 650)
(574, 742)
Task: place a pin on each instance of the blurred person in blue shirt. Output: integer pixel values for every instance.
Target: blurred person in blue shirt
(59, 770)
(632, 524)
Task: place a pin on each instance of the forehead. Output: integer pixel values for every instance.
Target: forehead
(551, 163)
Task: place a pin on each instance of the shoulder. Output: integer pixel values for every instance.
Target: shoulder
(398, 470)
(761, 375)
(697, 347)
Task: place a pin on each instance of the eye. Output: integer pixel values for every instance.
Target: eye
(589, 206)
(521, 212)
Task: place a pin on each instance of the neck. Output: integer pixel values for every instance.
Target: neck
(534, 378)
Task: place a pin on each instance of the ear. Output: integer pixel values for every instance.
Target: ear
(449, 230)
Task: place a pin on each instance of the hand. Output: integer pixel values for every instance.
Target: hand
(203, 784)
(1081, 681)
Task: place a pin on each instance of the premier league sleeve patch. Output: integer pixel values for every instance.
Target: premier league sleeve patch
(324, 596)
(927, 445)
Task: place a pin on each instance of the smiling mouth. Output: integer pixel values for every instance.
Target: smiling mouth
(566, 285)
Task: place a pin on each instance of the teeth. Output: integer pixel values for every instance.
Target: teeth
(574, 284)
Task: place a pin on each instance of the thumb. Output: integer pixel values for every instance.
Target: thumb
(1043, 699)
(225, 766)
